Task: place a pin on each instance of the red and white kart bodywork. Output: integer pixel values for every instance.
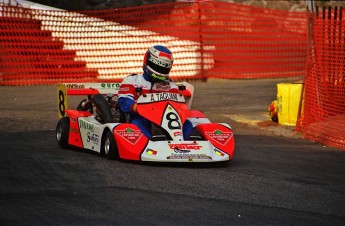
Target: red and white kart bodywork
(167, 112)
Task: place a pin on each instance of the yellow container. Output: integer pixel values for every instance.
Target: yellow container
(288, 102)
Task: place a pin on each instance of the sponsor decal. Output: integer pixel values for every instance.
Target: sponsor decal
(181, 150)
(163, 96)
(151, 152)
(191, 146)
(130, 135)
(111, 85)
(188, 156)
(163, 86)
(124, 89)
(92, 137)
(177, 134)
(74, 130)
(162, 78)
(218, 152)
(220, 136)
(160, 62)
(75, 86)
(85, 125)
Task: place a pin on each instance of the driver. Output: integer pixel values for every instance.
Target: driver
(158, 61)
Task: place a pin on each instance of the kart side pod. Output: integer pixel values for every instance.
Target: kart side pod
(220, 135)
(130, 141)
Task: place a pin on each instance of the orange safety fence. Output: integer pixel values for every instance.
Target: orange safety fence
(323, 117)
(208, 39)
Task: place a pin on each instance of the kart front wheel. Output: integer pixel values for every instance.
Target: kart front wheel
(62, 132)
(109, 147)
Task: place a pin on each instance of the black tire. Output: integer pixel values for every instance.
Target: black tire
(62, 132)
(109, 147)
(103, 108)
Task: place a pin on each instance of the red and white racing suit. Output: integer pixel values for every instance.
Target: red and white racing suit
(127, 97)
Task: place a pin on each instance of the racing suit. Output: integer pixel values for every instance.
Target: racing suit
(127, 97)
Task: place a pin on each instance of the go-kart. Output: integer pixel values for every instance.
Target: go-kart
(98, 125)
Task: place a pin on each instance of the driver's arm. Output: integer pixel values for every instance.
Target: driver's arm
(126, 98)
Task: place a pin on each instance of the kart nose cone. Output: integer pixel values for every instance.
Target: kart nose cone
(184, 151)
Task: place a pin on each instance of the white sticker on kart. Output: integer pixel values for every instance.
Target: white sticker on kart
(156, 97)
(171, 121)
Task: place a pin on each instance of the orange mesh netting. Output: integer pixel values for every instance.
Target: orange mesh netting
(235, 41)
(323, 119)
(208, 39)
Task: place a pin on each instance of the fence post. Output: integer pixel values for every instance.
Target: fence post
(310, 57)
(201, 41)
(311, 9)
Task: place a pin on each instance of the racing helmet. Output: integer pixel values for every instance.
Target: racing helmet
(158, 61)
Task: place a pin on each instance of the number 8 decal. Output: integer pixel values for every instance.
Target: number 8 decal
(62, 100)
(173, 121)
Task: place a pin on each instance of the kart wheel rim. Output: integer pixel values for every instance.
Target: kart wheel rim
(58, 133)
(106, 146)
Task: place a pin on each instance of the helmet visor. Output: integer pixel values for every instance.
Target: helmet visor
(159, 66)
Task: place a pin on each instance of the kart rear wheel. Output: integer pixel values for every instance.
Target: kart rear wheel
(103, 108)
(62, 132)
(109, 147)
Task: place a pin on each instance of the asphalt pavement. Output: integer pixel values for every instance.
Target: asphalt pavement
(276, 177)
